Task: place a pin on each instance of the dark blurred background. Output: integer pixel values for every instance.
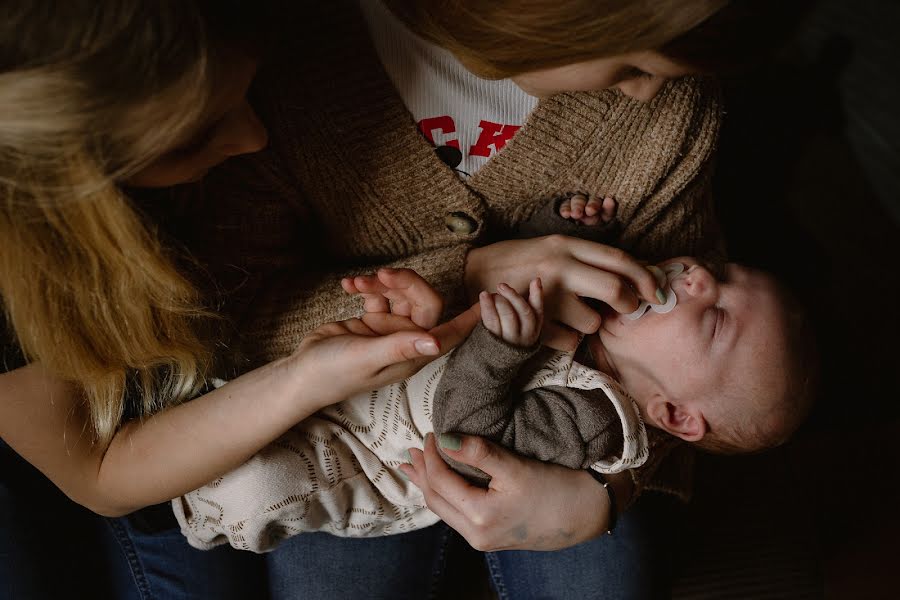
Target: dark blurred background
(808, 186)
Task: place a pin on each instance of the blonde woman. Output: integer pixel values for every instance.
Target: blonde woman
(107, 334)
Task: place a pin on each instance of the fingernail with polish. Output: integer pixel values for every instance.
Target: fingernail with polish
(661, 296)
(402, 475)
(407, 456)
(426, 347)
(449, 441)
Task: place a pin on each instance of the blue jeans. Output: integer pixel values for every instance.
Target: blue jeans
(153, 562)
(632, 564)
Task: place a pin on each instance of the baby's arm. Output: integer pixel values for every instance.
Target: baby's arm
(566, 426)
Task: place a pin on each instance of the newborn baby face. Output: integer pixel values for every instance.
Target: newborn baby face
(721, 333)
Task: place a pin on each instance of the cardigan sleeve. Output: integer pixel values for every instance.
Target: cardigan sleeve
(476, 396)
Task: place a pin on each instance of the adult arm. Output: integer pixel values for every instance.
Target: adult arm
(45, 419)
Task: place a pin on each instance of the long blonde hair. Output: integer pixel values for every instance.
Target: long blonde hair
(90, 93)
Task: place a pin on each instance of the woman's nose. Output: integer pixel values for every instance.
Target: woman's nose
(241, 133)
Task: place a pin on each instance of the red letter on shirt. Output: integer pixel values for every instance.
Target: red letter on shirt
(492, 134)
(443, 124)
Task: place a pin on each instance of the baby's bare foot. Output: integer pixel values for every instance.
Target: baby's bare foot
(589, 210)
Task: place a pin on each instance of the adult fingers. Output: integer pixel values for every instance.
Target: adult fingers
(501, 464)
(383, 323)
(509, 320)
(613, 260)
(454, 331)
(571, 311)
(446, 482)
(357, 327)
(609, 287)
(418, 474)
(559, 337)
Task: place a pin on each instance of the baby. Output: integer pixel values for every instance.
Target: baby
(722, 368)
(723, 364)
(718, 365)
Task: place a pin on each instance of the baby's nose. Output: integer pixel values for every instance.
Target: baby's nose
(699, 282)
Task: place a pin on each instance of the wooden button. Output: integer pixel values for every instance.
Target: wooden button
(460, 223)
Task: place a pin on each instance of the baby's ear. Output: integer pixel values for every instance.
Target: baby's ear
(680, 419)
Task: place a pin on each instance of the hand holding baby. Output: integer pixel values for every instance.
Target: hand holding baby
(383, 345)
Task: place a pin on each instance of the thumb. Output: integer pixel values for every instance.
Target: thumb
(496, 461)
(400, 347)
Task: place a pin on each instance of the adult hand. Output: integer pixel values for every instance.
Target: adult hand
(341, 359)
(529, 505)
(569, 268)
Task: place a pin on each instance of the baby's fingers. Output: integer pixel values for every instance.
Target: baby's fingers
(509, 318)
(608, 209)
(536, 297)
(489, 315)
(579, 201)
(528, 320)
(565, 208)
(593, 207)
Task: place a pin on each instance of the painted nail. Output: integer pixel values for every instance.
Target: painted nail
(407, 457)
(661, 296)
(426, 347)
(402, 475)
(449, 441)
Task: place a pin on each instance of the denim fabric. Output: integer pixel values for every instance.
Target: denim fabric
(160, 565)
(325, 567)
(633, 563)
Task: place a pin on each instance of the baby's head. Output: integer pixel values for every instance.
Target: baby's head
(728, 368)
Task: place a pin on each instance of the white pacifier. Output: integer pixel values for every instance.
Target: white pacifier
(664, 279)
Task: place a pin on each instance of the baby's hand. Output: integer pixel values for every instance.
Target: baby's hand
(589, 210)
(400, 292)
(510, 317)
